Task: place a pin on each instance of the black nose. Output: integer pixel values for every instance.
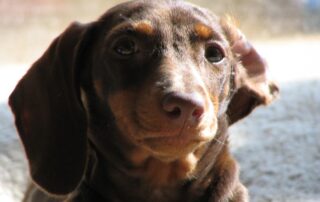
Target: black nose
(181, 107)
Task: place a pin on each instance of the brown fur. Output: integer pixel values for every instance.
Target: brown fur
(136, 105)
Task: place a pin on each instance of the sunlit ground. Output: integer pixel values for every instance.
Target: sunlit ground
(278, 147)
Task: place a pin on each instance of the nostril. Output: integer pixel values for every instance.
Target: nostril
(197, 113)
(171, 106)
(175, 113)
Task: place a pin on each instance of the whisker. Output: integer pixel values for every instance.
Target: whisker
(220, 142)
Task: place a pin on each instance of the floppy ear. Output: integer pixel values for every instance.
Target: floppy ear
(253, 85)
(49, 115)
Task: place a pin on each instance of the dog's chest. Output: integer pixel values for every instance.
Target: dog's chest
(112, 183)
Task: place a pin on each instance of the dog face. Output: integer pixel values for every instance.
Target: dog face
(165, 72)
(166, 76)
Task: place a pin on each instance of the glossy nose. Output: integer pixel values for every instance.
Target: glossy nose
(181, 107)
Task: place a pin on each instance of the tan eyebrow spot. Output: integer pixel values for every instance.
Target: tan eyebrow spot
(144, 27)
(203, 31)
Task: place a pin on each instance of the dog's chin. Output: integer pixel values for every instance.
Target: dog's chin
(172, 147)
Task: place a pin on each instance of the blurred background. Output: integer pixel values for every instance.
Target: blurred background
(30, 25)
(278, 147)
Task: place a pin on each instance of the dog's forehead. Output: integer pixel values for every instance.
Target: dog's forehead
(160, 14)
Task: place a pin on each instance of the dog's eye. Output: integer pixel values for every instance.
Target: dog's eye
(214, 53)
(125, 47)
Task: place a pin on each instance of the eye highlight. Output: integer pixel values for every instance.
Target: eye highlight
(125, 47)
(214, 53)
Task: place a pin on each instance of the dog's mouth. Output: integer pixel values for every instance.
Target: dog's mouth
(181, 137)
(179, 141)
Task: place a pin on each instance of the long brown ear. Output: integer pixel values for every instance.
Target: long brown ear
(50, 117)
(254, 86)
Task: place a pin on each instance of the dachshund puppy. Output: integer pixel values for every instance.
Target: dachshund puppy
(135, 106)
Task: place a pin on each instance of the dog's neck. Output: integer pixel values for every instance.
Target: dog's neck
(127, 166)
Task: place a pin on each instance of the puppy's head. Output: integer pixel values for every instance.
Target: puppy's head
(167, 71)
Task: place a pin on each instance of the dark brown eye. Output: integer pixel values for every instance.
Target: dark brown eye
(214, 53)
(125, 47)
